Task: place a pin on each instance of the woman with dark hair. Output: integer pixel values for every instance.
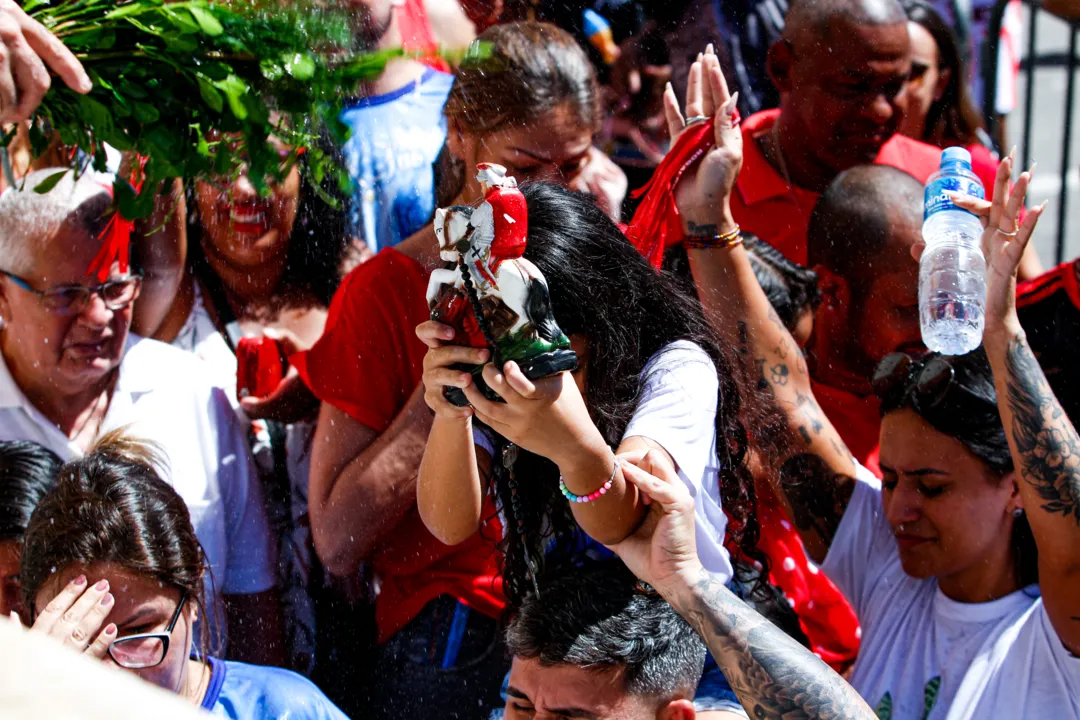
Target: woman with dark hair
(650, 377)
(266, 266)
(978, 459)
(531, 105)
(27, 472)
(939, 109)
(112, 568)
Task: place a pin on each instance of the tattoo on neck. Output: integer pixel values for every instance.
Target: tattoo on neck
(1044, 437)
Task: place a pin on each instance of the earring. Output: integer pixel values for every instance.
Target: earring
(1018, 512)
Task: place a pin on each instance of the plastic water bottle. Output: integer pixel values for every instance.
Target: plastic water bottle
(952, 271)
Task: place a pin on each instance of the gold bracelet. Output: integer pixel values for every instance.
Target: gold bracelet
(724, 241)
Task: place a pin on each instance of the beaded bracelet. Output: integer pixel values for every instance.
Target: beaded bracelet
(723, 241)
(593, 495)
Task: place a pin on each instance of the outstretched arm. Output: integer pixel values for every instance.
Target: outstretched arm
(772, 675)
(1045, 445)
(817, 481)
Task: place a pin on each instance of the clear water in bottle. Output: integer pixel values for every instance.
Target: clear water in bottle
(952, 271)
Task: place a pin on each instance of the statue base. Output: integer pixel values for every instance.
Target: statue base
(534, 368)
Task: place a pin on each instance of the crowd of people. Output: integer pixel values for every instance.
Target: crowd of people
(758, 495)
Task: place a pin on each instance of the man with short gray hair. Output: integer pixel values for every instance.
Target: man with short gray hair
(70, 371)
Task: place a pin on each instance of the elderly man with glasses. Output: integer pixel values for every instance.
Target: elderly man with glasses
(70, 371)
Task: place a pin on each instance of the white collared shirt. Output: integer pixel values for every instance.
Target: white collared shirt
(164, 395)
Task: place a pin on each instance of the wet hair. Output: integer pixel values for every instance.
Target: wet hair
(319, 239)
(969, 413)
(112, 506)
(27, 473)
(815, 15)
(533, 69)
(603, 290)
(854, 222)
(29, 220)
(953, 119)
(791, 288)
(599, 617)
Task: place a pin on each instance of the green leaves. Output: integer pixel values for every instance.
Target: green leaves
(50, 182)
(169, 77)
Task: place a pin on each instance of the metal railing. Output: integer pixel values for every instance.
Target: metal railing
(1030, 63)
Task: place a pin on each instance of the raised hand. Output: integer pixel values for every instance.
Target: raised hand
(1003, 242)
(663, 551)
(703, 194)
(76, 615)
(28, 51)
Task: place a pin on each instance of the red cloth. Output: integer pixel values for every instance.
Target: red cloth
(416, 35)
(858, 420)
(824, 613)
(763, 204)
(656, 225)
(367, 364)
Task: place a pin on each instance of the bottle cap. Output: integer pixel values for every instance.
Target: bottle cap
(955, 155)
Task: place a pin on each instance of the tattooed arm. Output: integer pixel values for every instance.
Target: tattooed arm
(1046, 451)
(816, 483)
(1044, 444)
(772, 675)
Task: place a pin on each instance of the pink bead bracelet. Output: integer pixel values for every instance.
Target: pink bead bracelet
(591, 496)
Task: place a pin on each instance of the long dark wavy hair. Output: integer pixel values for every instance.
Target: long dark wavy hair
(969, 413)
(319, 239)
(603, 290)
(954, 119)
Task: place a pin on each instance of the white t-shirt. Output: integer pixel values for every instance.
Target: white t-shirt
(200, 337)
(924, 656)
(164, 395)
(677, 410)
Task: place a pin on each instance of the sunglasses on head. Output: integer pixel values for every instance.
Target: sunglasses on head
(927, 379)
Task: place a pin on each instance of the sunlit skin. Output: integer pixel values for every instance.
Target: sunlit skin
(840, 96)
(10, 588)
(951, 515)
(855, 329)
(61, 362)
(925, 87)
(553, 149)
(144, 605)
(567, 691)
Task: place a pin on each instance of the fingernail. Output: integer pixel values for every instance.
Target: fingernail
(110, 629)
(102, 585)
(668, 88)
(79, 581)
(107, 600)
(1031, 170)
(709, 49)
(1043, 206)
(700, 57)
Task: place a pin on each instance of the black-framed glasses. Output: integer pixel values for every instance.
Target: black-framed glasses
(145, 650)
(73, 299)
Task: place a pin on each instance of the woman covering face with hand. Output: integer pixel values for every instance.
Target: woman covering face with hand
(111, 567)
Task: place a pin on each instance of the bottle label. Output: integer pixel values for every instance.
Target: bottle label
(936, 198)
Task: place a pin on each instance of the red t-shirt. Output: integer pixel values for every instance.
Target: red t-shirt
(858, 420)
(764, 205)
(367, 364)
(416, 35)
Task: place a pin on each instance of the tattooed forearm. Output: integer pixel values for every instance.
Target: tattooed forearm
(1047, 442)
(772, 674)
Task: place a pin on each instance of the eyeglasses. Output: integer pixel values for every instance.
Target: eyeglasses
(145, 650)
(73, 299)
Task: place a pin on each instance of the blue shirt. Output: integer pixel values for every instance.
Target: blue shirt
(254, 692)
(389, 155)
